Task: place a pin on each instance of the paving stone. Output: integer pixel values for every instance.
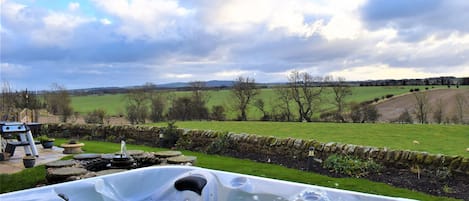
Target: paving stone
(86, 156)
(167, 154)
(181, 159)
(60, 164)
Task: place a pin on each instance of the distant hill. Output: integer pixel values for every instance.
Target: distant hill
(221, 84)
(211, 83)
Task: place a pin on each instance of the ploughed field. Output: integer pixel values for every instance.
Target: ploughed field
(431, 138)
(392, 108)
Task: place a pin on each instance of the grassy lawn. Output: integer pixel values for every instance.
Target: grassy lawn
(445, 139)
(115, 104)
(239, 166)
(28, 178)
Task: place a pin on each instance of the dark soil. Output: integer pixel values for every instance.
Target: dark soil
(455, 186)
(446, 184)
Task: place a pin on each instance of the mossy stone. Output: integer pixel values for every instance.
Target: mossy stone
(60, 164)
(429, 159)
(454, 164)
(166, 154)
(181, 159)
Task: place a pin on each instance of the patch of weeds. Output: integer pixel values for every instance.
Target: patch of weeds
(443, 173)
(351, 166)
(218, 145)
(447, 189)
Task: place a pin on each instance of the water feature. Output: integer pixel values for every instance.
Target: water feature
(122, 160)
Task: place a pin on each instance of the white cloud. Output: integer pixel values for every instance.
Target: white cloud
(177, 76)
(342, 27)
(8, 70)
(73, 6)
(58, 29)
(231, 74)
(146, 19)
(244, 16)
(105, 21)
(384, 71)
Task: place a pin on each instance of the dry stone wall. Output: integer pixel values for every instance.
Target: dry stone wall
(285, 151)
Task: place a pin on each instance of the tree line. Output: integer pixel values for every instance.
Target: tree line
(57, 101)
(301, 99)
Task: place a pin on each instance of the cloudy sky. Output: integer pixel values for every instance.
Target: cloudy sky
(97, 43)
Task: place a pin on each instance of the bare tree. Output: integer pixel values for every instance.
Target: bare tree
(260, 105)
(137, 100)
(244, 90)
(59, 102)
(341, 91)
(199, 100)
(306, 93)
(8, 103)
(218, 113)
(181, 109)
(422, 107)
(363, 112)
(404, 118)
(157, 107)
(438, 114)
(285, 98)
(461, 103)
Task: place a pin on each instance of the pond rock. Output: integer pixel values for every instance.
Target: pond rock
(109, 171)
(86, 156)
(181, 159)
(167, 154)
(60, 164)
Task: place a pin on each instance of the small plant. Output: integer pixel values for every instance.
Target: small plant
(46, 142)
(443, 173)
(44, 138)
(447, 189)
(73, 141)
(351, 166)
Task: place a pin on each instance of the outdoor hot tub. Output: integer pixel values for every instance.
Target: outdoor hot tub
(186, 183)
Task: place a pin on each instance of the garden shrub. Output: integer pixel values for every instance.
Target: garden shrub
(170, 135)
(217, 146)
(351, 166)
(328, 116)
(218, 113)
(95, 117)
(389, 95)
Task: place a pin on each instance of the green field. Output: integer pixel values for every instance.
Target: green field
(115, 104)
(28, 177)
(444, 139)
